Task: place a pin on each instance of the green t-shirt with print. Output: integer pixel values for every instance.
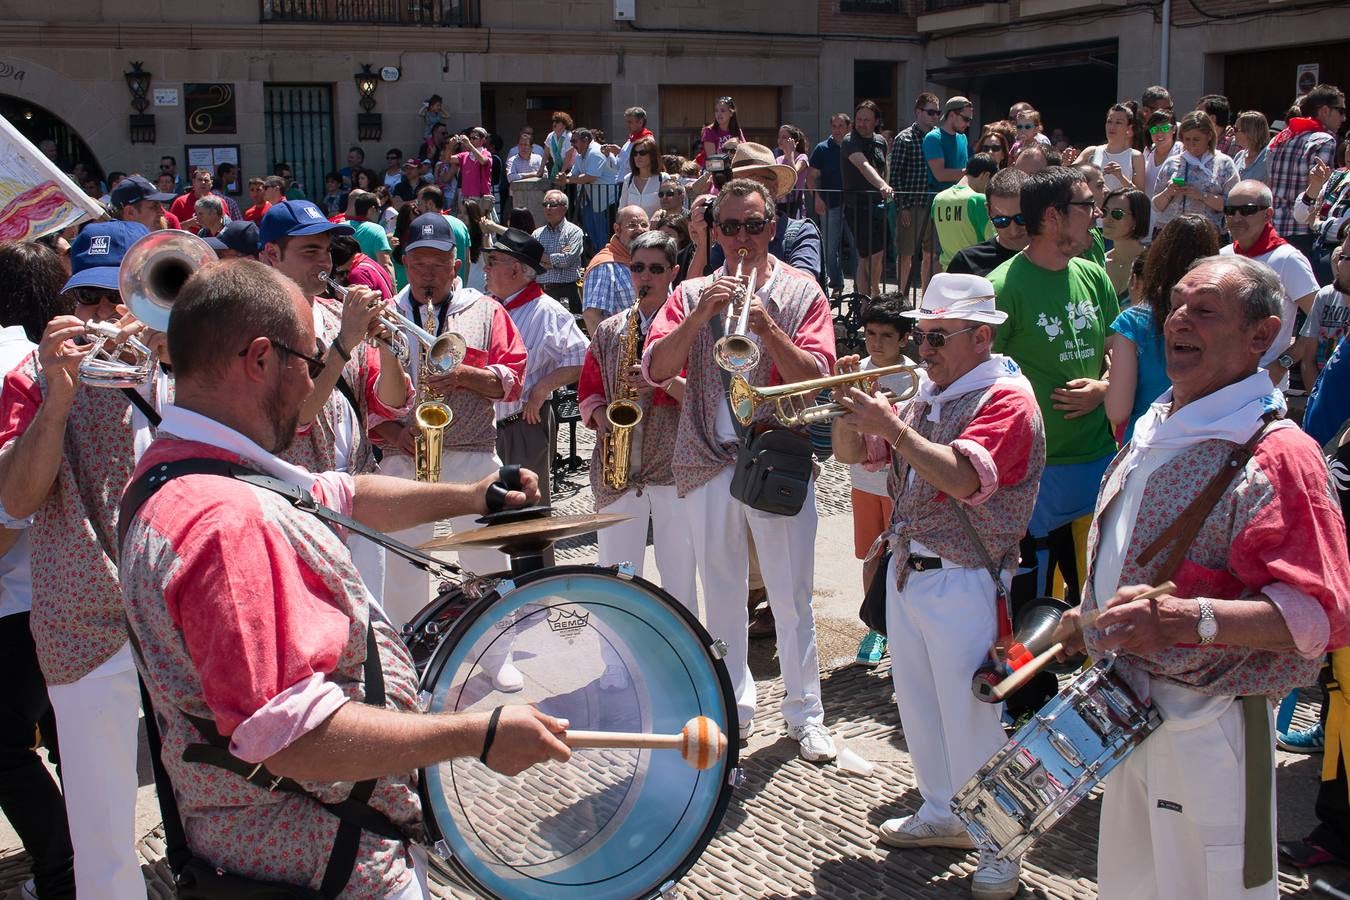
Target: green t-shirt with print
(962, 220)
(1056, 331)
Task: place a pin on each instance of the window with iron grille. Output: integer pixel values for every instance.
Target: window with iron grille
(298, 119)
(436, 13)
(870, 6)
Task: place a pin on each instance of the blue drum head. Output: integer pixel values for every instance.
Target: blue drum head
(607, 653)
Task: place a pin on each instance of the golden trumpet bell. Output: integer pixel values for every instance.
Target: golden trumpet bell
(792, 402)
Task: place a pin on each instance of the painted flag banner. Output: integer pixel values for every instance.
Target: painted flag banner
(36, 197)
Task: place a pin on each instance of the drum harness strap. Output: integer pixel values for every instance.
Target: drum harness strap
(354, 813)
(1258, 842)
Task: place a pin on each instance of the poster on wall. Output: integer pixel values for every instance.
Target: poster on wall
(1308, 76)
(209, 108)
(212, 158)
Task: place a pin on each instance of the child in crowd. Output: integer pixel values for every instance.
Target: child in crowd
(433, 114)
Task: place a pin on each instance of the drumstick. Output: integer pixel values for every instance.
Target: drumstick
(701, 743)
(1014, 681)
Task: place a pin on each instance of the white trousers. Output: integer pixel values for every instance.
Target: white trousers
(97, 720)
(627, 541)
(940, 628)
(719, 526)
(1173, 810)
(407, 588)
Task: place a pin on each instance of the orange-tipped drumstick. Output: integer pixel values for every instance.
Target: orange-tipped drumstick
(701, 743)
(1024, 674)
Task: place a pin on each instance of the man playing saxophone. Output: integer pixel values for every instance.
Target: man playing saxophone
(493, 368)
(631, 465)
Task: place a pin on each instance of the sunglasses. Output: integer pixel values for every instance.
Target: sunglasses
(642, 153)
(1025, 126)
(1160, 129)
(1091, 204)
(1116, 213)
(654, 268)
(315, 364)
(932, 112)
(1339, 109)
(667, 193)
(992, 148)
(965, 118)
(937, 339)
(94, 296)
(1005, 221)
(733, 228)
(1245, 209)
(553, 203)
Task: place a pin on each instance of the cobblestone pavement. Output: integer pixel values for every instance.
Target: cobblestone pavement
(797, 830)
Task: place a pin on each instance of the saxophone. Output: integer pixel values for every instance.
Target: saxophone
(623, 412)
(431, 416)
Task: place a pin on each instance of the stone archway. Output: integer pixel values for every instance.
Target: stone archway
(37, 123)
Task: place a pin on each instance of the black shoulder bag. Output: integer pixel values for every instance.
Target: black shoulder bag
(773, 466)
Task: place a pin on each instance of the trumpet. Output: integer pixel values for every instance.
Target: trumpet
(735, 351)
(104, 366)
(792, 402)
(444, 352)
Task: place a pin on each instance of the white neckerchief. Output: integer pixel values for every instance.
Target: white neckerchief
(192, 426)
(1205, 162)
(997, 369)
(1229, 414)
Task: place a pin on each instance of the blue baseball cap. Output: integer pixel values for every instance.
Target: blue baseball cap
(134, 189)
(96, 255)
(239, 235)
(431, 230)
(294, 218)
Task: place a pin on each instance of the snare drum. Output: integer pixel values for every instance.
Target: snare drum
(1054, 761)
(608, 652)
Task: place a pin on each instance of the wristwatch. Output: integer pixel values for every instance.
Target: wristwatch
(1285, 360)
(1208, 626)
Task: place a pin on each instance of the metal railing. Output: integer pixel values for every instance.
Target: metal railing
(433, 13)
(941, 5)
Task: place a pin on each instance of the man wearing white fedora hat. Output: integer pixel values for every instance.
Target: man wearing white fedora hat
(970, 445)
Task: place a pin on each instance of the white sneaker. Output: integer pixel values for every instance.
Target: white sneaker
(747, 728)
(615, 678)
(508, 679)
(911, 831)
(994, 878)
(816, 743)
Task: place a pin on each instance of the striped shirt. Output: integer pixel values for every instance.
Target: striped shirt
(563, 246)
(608, 287)
(552, 341)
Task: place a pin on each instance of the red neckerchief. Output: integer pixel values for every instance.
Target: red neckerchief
(1265, 242)
(532, 292)
(1297, 125)
(642, 132)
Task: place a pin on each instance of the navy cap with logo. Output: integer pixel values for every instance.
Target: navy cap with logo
(134, 189)
(240, 235)
(96, 255)
(431, 230)
(295, 218)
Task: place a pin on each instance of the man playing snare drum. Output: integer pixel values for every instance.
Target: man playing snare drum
(972, 440)
(1262, 592)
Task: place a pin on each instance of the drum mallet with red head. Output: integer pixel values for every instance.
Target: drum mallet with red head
(701, 743)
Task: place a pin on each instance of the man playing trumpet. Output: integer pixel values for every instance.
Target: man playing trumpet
(493, 368)
(788, 321)
(971, 442)
(638, 481)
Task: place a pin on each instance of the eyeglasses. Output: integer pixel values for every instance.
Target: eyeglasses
(1005, 221)
(668, 193)
(1025, 126)
(654, 268)
(965, 118)
(732, 228)
(1160, 129)
(1116, 213)
(937, 339)
(551, 204)
(315, 364)
(1091, 204)
(1245, 209)
(931, 112)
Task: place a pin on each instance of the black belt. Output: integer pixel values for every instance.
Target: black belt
(923, 563)
(509, 419)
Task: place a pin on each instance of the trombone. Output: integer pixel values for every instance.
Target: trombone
(793, 405)
(444, 352)
(735, 351)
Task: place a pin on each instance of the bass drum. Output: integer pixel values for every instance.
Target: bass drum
(608, 652)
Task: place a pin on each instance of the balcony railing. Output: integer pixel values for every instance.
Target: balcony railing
(930, 6)
(434, 13)
(870, 6)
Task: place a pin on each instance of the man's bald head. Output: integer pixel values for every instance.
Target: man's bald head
(1250, 191)
(629, 223)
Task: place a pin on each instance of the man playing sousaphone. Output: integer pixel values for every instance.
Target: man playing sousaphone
(493, 368)
(787, 326)
(970, 446)
(632, 476)
(1234, 506)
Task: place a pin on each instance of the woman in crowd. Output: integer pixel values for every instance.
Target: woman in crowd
(364, 179)
(1327, 214)
(996, 144)
(677, 226)
(724, 127)
(792, 152)
(445, 175)
(558, 146)
(1196, 180)
(1162, 134)
(1253, 136)
(480, 239)
(1138, 372)
(643, 179)
(1119, 158)
(1124, 223)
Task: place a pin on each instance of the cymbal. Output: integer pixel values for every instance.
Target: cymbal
(526, 534)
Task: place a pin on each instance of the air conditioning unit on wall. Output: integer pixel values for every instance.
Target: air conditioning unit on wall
(625, 10)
